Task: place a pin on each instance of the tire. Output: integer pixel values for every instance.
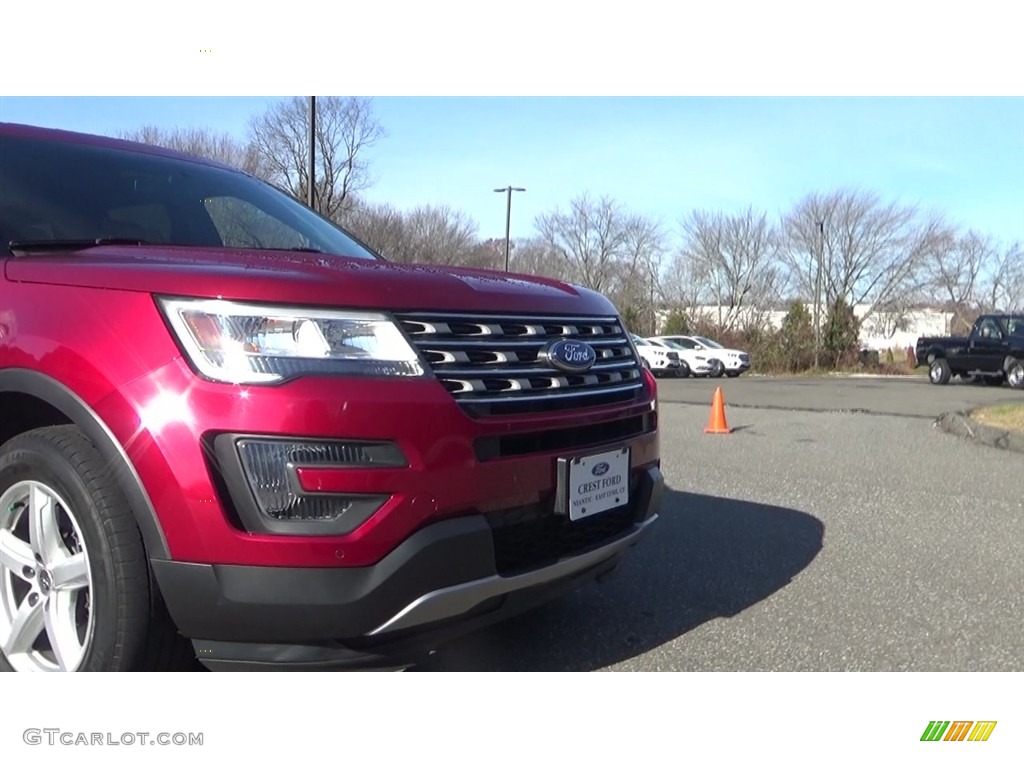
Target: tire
(683, 372)
(717, 369)
(74, 580)
(938, 371)
(1015, 373)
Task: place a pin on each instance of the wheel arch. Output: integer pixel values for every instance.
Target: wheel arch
(29, 399)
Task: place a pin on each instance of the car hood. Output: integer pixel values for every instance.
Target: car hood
(307, 279)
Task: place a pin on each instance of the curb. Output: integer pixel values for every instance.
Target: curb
(962, 425)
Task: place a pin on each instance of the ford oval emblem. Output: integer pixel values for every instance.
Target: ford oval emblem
(600, 469)
(570, 356)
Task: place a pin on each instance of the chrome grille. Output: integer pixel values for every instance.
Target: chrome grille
(490, 362)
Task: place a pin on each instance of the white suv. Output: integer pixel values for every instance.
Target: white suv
(731, 362)
(661, 360)
(691, 362)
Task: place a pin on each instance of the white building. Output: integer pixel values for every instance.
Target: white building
(882, 330)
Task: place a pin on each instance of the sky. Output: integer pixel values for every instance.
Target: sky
(659, 156)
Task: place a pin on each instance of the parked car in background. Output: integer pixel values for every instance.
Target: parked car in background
(691, 361)
(661, 361)
(992, 353)
(730, 362)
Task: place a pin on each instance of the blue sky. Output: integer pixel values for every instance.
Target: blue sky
(661, 156)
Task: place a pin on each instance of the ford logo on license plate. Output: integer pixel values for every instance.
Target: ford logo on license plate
(571, 356)
(600, 469)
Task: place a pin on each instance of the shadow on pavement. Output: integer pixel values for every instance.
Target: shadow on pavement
(706, 557)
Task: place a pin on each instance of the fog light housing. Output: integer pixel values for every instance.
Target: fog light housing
(270, 499)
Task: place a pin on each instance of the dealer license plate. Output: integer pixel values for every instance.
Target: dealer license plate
(598, 483)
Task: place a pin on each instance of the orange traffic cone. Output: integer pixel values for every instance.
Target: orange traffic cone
(717, 424)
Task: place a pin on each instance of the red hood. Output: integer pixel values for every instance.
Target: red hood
(289, 277)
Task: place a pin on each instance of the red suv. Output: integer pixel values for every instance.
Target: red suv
(232, 433)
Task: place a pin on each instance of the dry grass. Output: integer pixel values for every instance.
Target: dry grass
(1007, 416)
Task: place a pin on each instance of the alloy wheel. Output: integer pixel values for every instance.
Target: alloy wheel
(46, 617)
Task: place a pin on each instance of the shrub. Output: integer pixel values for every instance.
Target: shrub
(840, 334)
(796, 338)
(676, 324)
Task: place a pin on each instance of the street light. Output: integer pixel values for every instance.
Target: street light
(817, 292)
(508, 215)
(311, 190)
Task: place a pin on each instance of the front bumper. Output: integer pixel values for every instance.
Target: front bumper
(664, 366)
(443, 581)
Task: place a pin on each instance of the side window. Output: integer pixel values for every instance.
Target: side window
(242, 225)
(989, 329)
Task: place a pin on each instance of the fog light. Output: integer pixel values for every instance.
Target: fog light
(270, 466)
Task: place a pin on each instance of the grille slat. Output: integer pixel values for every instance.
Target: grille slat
(441, 342)
(490, 365)
(538, 370)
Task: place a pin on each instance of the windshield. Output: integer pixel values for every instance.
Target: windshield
(708, 342)
(60, 191)
(671, 343)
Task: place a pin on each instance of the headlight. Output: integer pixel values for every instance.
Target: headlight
(253, 344)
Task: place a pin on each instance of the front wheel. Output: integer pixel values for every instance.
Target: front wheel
(683, 371)
(74, 583)
(939, 372)
(717, 369)
(1015, 373)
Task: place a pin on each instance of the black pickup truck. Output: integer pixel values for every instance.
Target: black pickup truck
(993, 352)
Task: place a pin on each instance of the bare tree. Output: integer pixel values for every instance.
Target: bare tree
(871, 251)
(681, 287)
(345, 130)
(424, 235)
(379, 226)
(590, 236)
(736, 261)
(536, 256)
(1003, 285)
(489, 254)
(441, 236)
(199, 142)
(952, 270)
(637, 282)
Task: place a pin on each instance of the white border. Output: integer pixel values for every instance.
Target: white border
(538, 47)
(454, 720)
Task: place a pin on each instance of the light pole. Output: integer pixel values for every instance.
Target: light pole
(508, 215)
(817, 293)
(311, 191)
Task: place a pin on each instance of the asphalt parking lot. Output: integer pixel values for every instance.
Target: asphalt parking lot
(835, 529)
